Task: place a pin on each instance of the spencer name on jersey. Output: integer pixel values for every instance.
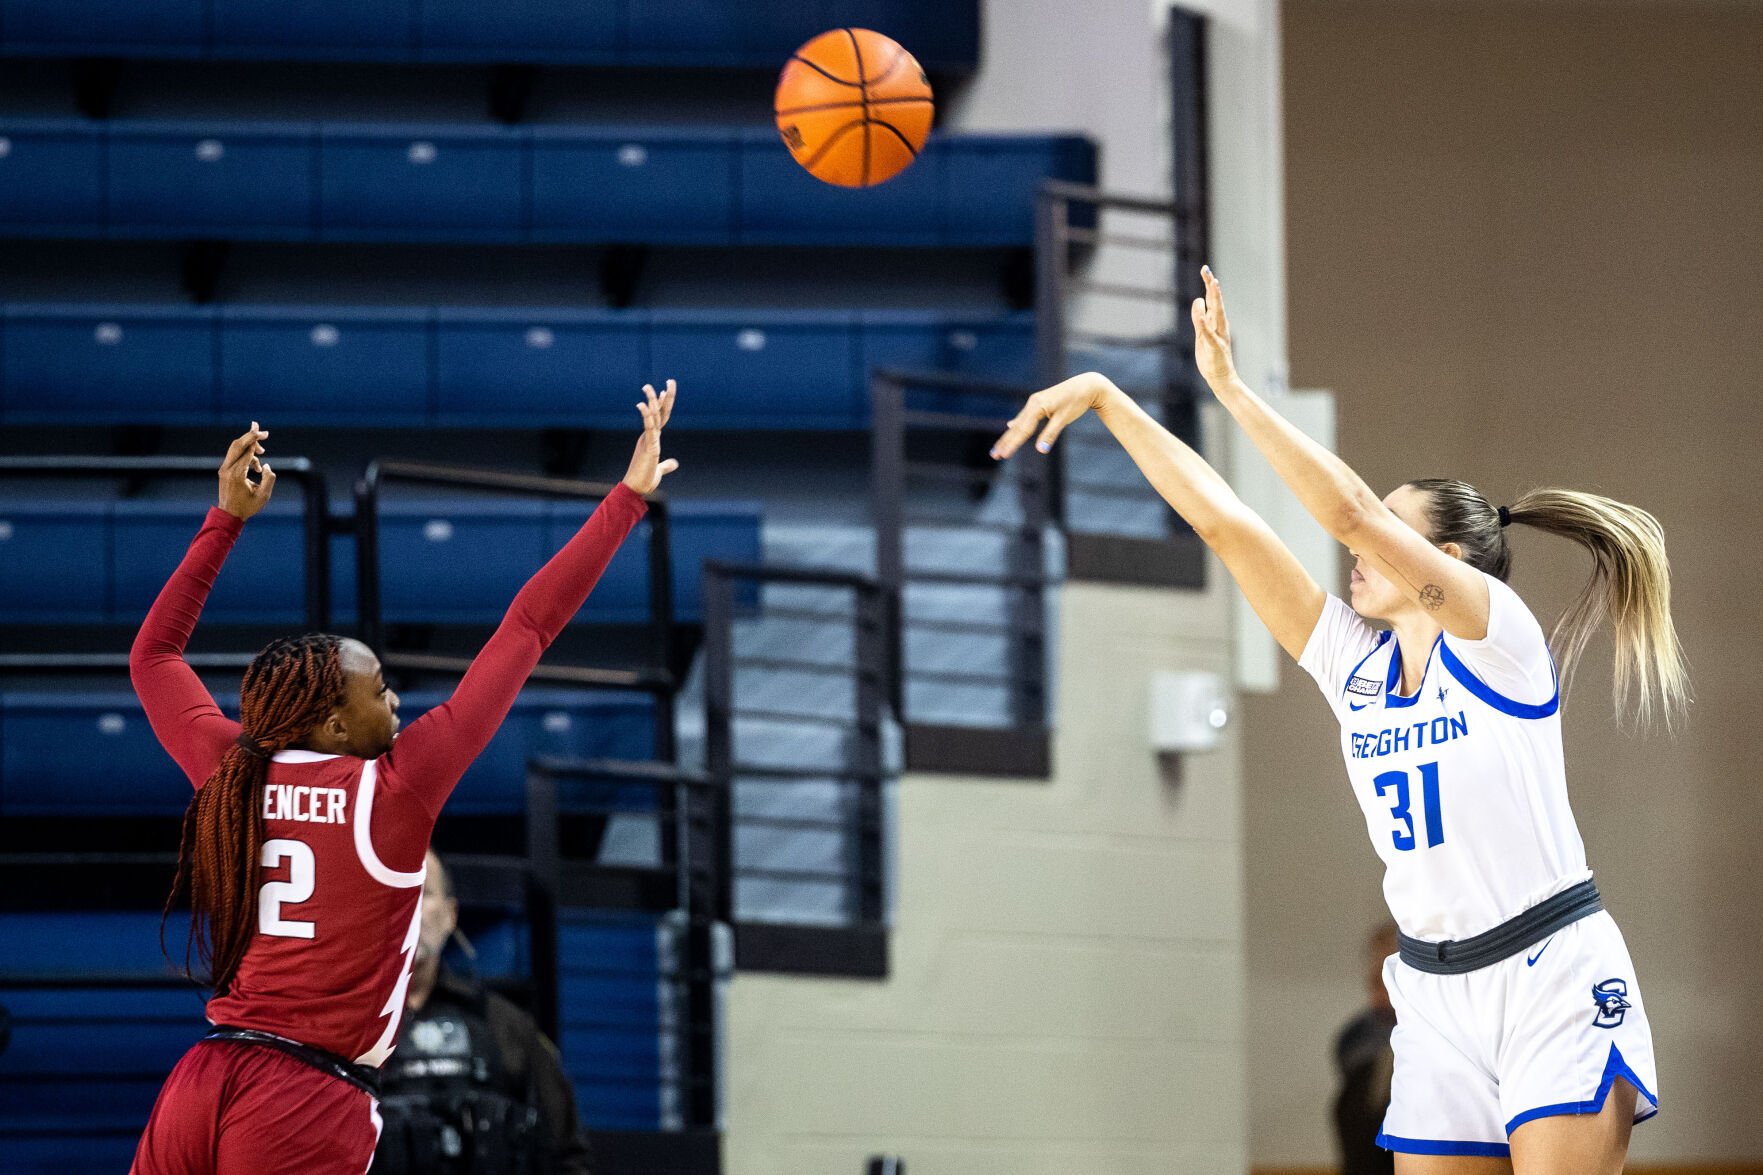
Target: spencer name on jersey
(1397, 739)
(1462, 782)
(308, 805)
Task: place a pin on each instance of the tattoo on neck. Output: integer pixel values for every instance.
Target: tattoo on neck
(1432, 597)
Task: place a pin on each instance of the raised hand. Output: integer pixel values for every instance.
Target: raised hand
(239, 495)
(1059, 405)
(1212, 334)
(647, 468)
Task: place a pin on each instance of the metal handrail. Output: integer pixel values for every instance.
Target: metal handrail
(1024, 568)
(695, 840)
(298, 470)
(869, 616)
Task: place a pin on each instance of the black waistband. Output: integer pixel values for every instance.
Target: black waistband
(1506, 939)
(360, 1076)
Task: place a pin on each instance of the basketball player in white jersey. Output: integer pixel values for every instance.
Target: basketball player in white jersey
(1521, 1039)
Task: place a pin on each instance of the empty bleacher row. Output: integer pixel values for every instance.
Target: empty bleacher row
(86, 1062)
(140, 779)
(789, 369)
(71, 560)
(574, 184)
(671, 33)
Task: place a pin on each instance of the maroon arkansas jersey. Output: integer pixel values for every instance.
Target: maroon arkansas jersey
(336, 924)
(339, 895)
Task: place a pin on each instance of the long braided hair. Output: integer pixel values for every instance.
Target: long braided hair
(290, 687)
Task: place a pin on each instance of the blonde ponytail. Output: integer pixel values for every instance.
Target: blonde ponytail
(1630, 586)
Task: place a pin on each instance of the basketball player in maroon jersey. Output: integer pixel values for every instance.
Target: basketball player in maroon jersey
(303, 848)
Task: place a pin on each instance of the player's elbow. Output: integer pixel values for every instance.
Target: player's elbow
(1354, 518)
(140, 656)
(1225, 526)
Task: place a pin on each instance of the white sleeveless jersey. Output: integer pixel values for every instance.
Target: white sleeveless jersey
(1463, 783)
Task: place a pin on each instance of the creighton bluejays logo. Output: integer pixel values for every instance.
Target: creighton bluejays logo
(1610, 996)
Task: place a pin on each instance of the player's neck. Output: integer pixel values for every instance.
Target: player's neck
(1416, 633)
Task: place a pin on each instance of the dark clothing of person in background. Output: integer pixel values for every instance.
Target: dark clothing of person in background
(1365, 1060)
(474, 1088)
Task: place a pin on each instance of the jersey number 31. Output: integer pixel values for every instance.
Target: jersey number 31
(1397, 781)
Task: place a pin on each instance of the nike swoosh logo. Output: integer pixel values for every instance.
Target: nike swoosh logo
(1356, 706)
(1531, 960)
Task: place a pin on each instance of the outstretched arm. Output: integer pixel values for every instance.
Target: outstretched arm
(1338, 498)
(179, 707)
(432, 755)
(1270, 576)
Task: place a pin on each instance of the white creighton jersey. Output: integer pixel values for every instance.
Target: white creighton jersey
(1462, 782)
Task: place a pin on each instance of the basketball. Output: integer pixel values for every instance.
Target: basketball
(853, 107)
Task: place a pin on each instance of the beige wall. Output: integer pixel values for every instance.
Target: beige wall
(1066, 992)
(1526, 246)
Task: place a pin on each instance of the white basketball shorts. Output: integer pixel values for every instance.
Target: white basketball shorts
(1545, 1032)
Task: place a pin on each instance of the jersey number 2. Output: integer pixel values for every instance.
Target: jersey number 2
(1397, 781)
(302, 875)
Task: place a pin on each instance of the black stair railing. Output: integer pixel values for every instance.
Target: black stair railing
(795, 687)
(961, 555)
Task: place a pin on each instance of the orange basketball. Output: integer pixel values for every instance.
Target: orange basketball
(853, 107)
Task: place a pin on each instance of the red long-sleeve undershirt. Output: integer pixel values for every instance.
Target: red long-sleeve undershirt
(428, 758)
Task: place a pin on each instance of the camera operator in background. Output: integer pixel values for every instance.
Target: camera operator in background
(473, 1087)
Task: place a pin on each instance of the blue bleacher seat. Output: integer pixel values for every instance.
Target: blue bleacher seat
(172, 28)
(610, 1006)
(121, 768)
(51, 177)
(443, 561)
(396, 366)
(940, 36)
(603, 32)
(264, 581)
(519, 30)
(781, 202)
(212, 180)
(456, 561)
(541, 368)
(407, 182)
(557, 723)
(501, 947)
(635, 184)
(86, 1063)
(361, 30)
(123, 771)
(97, 363)
(725, 531)
(95, 944)
(432, 182)
(716, 32)
(55, 561)
(993, 179)
(319, 365)
(919, 340)
(776, 369)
